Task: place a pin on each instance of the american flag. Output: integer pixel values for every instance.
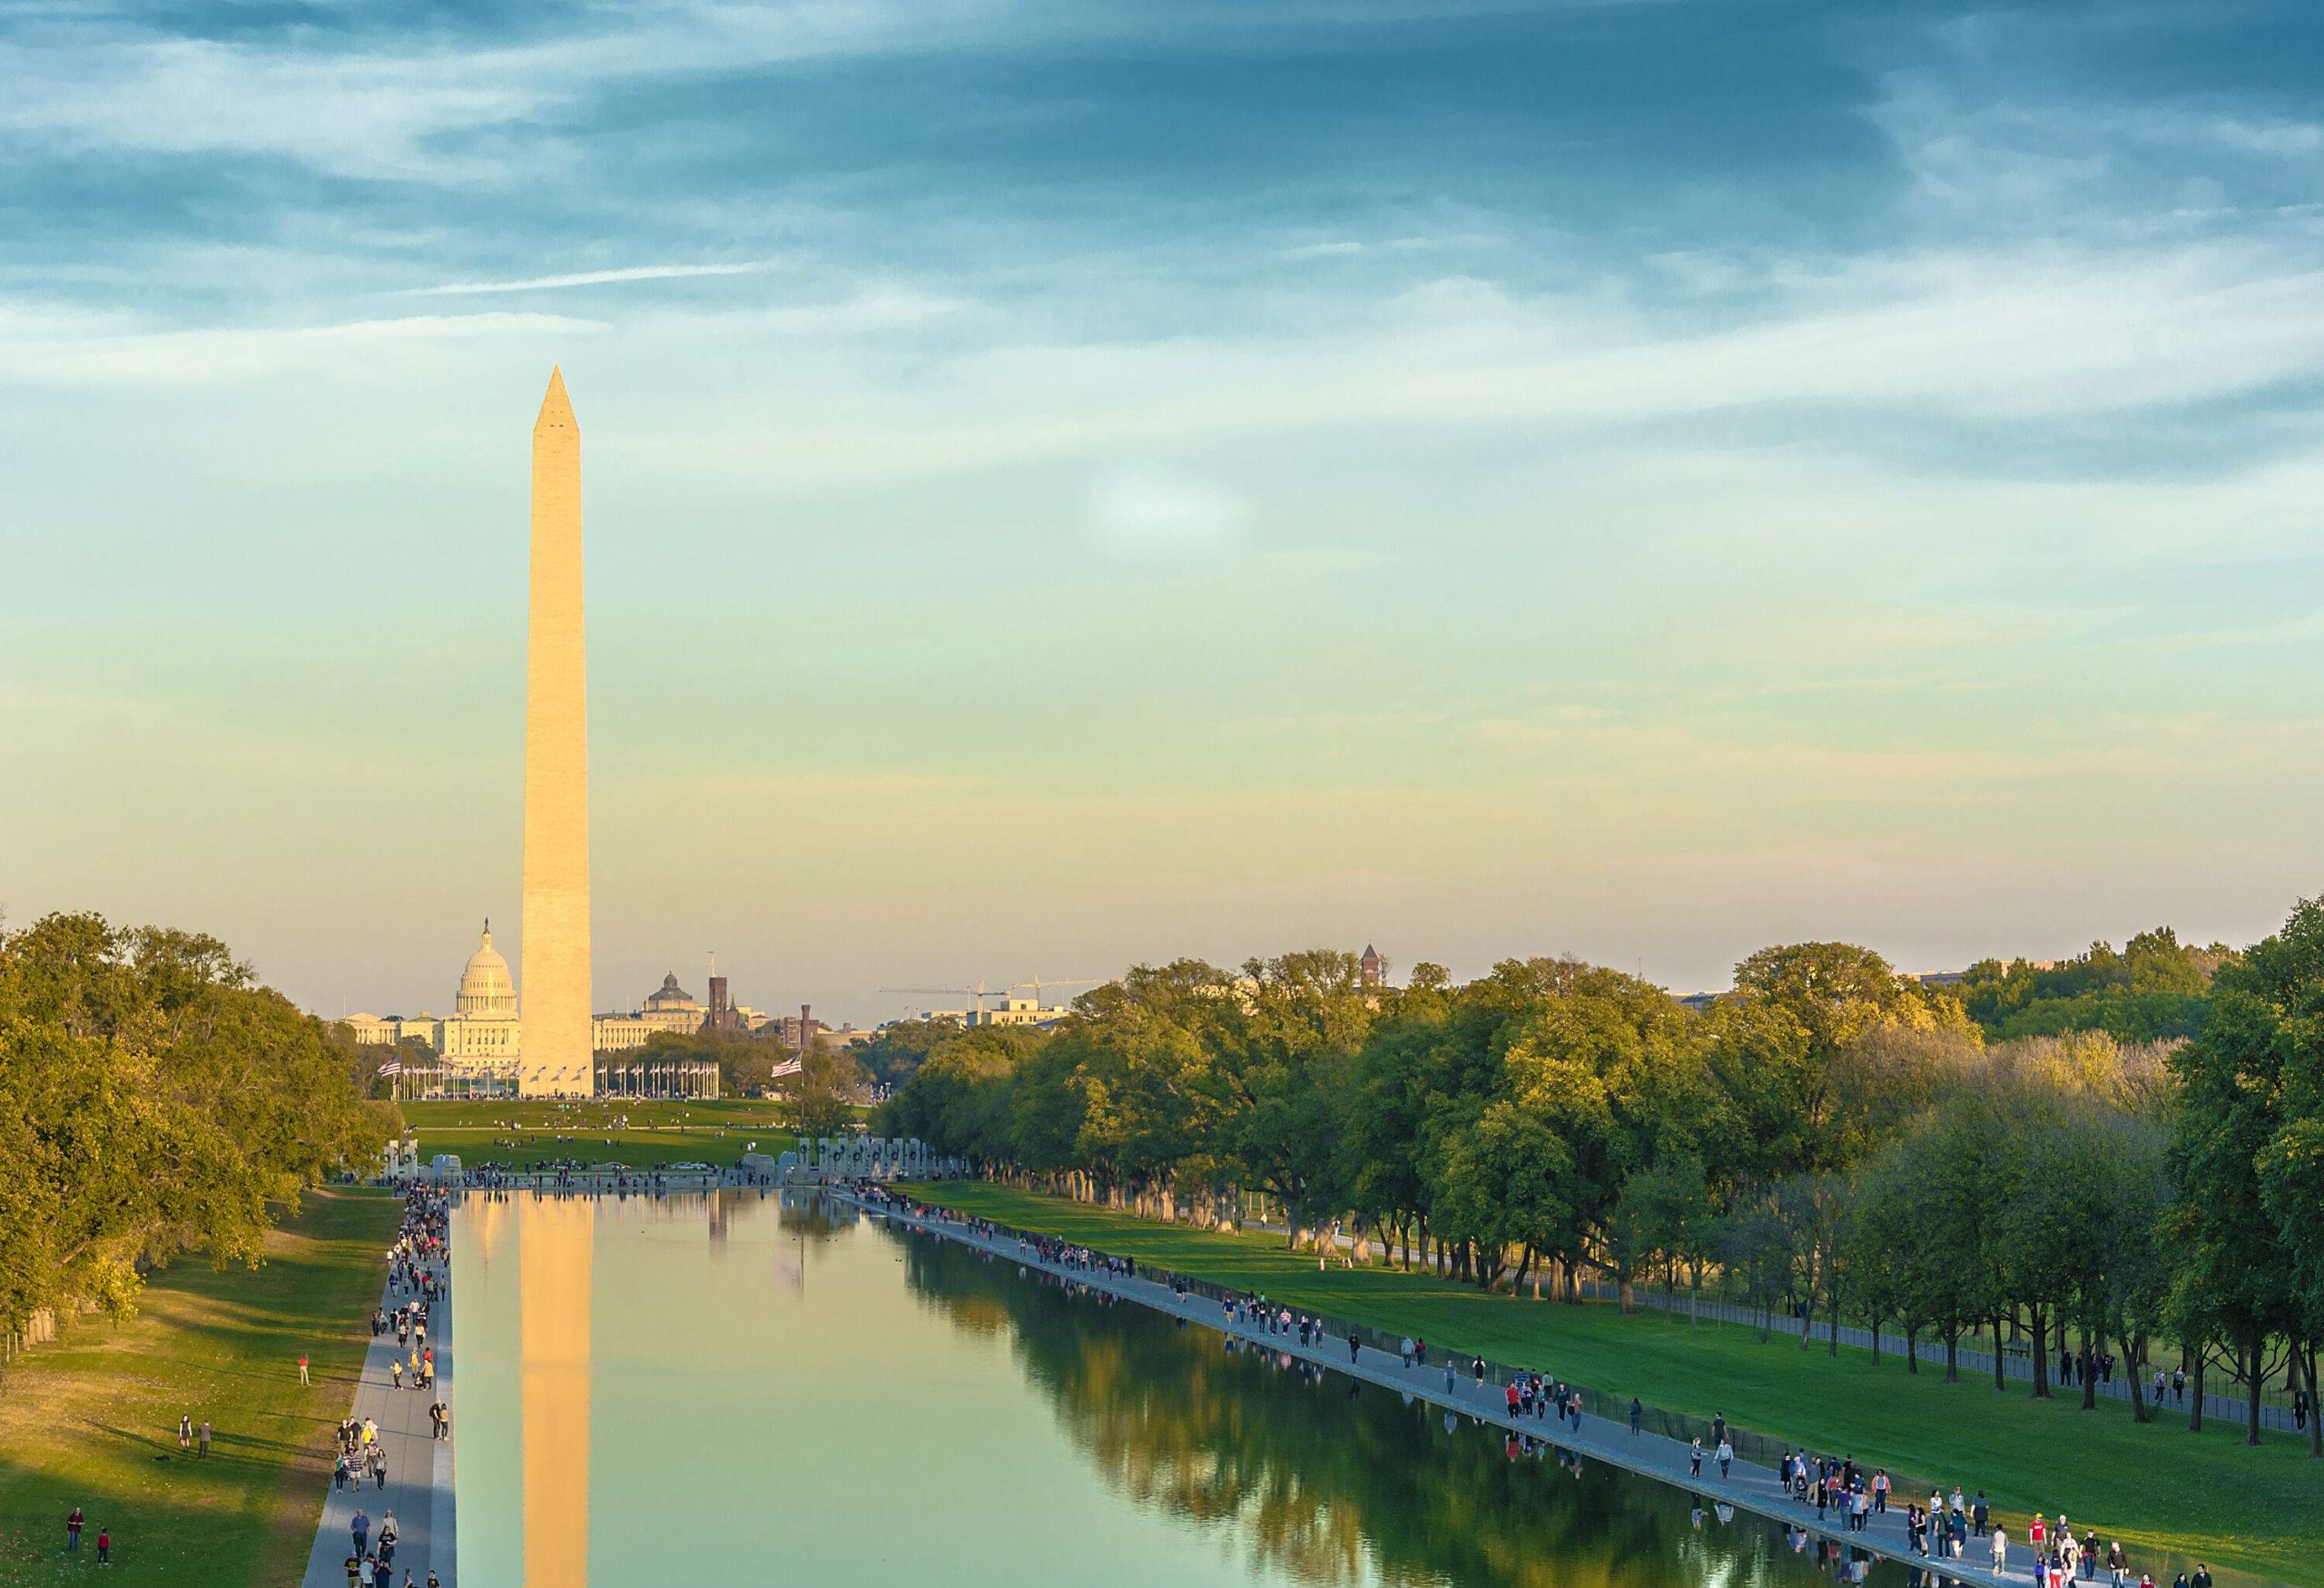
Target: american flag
(788, 1067)
(392, 1067)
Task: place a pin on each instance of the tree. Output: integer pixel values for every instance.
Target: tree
(2233, 1279)
(155, 1100)
(2286, 974)
(896, 1054)
(1840, 997)
(821, 1101)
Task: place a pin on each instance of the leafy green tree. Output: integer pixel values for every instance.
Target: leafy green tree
(2234, 1273)
(1842, 999)
(821, 1101)
(2285, 976)
(155, 1100)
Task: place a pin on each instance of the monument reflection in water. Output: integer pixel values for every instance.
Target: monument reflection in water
(741, 1388)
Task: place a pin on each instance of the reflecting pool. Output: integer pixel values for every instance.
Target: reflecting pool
(739, 1388)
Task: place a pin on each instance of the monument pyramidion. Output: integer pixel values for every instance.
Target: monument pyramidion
(556, 1059)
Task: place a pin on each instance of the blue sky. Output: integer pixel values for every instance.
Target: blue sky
(1071, 484)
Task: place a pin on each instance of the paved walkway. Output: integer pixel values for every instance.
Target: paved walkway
(1748, 1487)
(419, 1468)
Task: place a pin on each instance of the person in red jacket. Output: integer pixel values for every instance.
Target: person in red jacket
(104, 1547)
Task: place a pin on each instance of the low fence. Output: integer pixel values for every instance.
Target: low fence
(1973, 1360)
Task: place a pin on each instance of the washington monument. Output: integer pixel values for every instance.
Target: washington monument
(555, 1055)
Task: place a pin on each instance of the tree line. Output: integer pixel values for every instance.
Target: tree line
(155, 1100)
(1831, 1138)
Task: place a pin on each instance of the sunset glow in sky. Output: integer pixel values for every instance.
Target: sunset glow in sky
(1074, 484)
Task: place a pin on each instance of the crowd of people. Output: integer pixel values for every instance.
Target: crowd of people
(419, 1279)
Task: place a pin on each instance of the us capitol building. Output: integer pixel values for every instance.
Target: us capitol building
(478, 1049)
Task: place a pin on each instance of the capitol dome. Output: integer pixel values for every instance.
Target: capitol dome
(671, 996)
(486, 989)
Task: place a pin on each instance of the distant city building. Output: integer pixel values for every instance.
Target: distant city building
(1372, 970)
(1010, 1011)
(480, 1044)
(795, 1031)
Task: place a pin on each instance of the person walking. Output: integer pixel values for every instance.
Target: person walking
(2001, 1551)
(361, 1528)
(1695, 1457)
(185, 1433)
(1726, 1458)
(1406, 1350)
(302, 1369)
(1638, 1415)
(355, 1570)
(202, 1449)
(104, 1547)
(395, 1366)
(72, 1526)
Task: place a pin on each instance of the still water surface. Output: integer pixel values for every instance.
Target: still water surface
(735, 1389)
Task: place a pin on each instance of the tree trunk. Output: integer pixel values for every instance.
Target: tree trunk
(1952, 1352)
(1999, 1377)
(2195, 1406)
(2315, 1412)
(2041, 1355)
(2251, 1403)
(1695, 1295)
(2089, 1376)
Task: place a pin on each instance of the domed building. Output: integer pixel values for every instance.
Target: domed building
(478, 1049)
(486, 989)
(483, 1024)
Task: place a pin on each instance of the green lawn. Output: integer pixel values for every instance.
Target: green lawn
(541, 1113)
(92, 1419)
(2207, 1496)
(521, 1133)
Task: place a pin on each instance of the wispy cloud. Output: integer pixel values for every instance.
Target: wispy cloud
(213, 355)
(1146, 515)
(653, 273)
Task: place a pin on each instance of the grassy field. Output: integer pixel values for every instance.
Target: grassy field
(517, 1133)
(2203, 1497)
(92, 1420)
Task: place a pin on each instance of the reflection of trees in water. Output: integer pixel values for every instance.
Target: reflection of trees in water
(812, 1214)
(1324, 1486)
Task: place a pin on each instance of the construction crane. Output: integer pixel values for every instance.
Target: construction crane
(980, 992)
(1037, 983)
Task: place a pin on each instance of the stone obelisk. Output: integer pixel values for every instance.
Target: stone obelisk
(555, 1042)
